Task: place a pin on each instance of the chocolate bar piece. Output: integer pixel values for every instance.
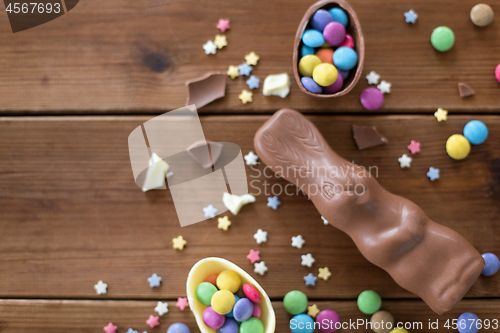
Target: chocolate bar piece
(426, 258)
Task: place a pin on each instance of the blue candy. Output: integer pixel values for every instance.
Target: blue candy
(313, 38)
(230, 326)
(476, 132)
(306, 50)
(492, 264)
(243, 309)
(339, 15)
(302, 323)
(230, 314)
(467, 323)
(310, 85)
(345, 58)
(178, 328)
(320, 19)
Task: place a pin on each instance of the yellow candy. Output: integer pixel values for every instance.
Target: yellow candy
(228, 280)
(325, 74)
(223, 302)
(457, 146)
(325, 46)
(307, 64)
(399, 330)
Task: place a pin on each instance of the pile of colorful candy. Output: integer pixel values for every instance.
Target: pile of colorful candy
(226, 312)
(327, 52)
(458, 146)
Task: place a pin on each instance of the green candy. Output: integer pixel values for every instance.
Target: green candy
(295, 302)
(442, 38)
(204, 293)
(369, 302)
(252, 325)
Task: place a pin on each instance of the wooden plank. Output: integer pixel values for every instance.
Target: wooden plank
(56, 316)
(135, 57)
(71, 214)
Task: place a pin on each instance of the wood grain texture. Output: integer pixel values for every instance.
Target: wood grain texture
(71, 214)
(56, 316)
(135, 57)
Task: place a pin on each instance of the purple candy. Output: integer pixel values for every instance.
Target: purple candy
(372, 98)
(342, 73)
(335, 87)
(310, 85)
(178, 328)
(256, 310)
(243, 309)
(230, 326)
(334, 33)
(212, 319)
(320, 19)
(328, 325)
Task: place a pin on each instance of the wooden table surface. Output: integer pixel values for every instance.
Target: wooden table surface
(73, 89)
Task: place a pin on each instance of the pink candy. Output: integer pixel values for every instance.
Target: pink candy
(256, 310)
(348, 42)
(334, 33)
(251, 293)
(497, 73)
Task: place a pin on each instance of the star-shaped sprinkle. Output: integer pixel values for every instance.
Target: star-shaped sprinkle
(110, 328)
(405, 161)
(251, 158)
(298, 241)
(182, 303)
(325, 222)
(253, 82)
(153, 321)
(384, 87)
(132, 331)
(223, 223)
(252, 58)
(433, 173)
(441, 114)
(223, 25)
(210, 47)
(178, 243)
(414, 147)
(253, 256)
(100, 288)
(260, 268)
(161, 308)
(220, 41)
(273, 202)
(210, 211)
(411, 16)
(307, 260)
(245, 69)
(260, 236)
(310, 280)
(312, 310)
(154, 280)
(246, 96)
(233, 72)
(373, 78)
(324, 273)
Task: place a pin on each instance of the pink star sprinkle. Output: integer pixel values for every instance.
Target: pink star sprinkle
(253, 256)
(110, 328)
(223, 25)
(153, 321)
(414, 147)
(182, 303)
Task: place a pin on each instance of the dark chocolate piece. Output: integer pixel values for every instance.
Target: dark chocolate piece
(367, 137)
(426, 258)
(464, 90)
(206, 155)
(206, 89)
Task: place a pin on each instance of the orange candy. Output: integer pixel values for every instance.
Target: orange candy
(325, 55)
(212, 278)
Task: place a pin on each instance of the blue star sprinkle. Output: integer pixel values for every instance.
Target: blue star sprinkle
(273, 202)
(245, 69)
(433, 173)
(411, 16)
(154, 280)
(253, 82)
(132, 331)
(310, 280)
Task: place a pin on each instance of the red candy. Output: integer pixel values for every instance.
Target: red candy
(251, 293)
(212, 278)
(348, 42)
(256, 311)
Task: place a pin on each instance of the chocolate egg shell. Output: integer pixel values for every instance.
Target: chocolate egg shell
(353, 28)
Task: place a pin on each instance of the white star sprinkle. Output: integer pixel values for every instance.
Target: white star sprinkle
(161, 308)
(210, 47)
(101, 287)
(260, 268)
(307, 260)
(251, 158)
(405, 161)
(373, 78)
(260, 236)
(210, 211)
(298, 241)
(411, 16)
(384, 87)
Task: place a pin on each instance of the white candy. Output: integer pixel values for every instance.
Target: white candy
(235, 202)
(277, 85)
(155, 176)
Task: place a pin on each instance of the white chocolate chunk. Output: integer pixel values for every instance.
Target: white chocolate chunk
(235, 202)
(155, 176)
(277, 85)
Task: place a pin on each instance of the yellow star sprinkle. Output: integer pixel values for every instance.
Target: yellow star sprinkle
(224, 223)
(324, 273)
(252, 58)
(220, 41)
(312, 310)
(246, 96)
(233, 72)
(178, 243)
(441, 114)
